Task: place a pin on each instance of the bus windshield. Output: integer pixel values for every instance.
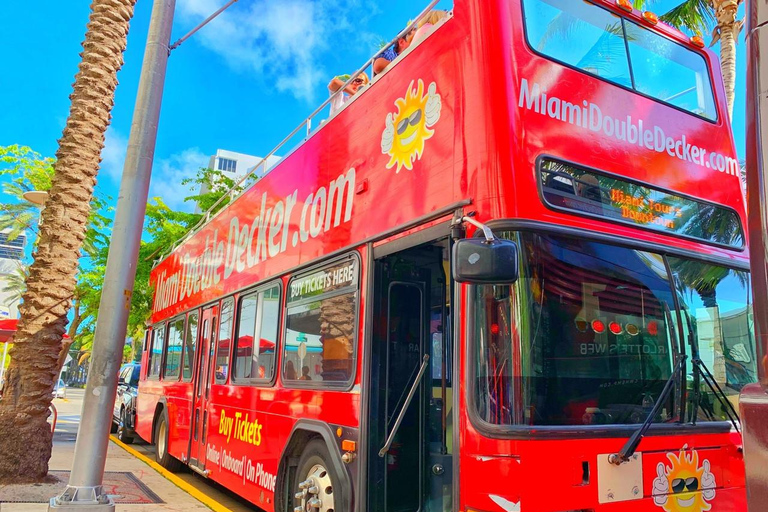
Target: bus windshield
(589, 333)
(620, 51)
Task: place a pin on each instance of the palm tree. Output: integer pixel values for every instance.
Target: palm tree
(31, 375)
(698, 16)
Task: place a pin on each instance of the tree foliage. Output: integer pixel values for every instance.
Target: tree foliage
(30, 171)
(162, 228)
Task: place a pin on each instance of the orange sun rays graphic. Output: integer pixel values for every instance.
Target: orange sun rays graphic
(410, 126)
(684, 486)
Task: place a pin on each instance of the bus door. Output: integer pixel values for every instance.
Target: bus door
(410, 448)
(201, 388)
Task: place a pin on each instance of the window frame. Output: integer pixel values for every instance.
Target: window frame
(257, 381)
(233, 322)
(625, 19)
(545, 156)
(159, 327)
(183, 318)
(195, 311)
(224, 163)
(319, 384)
(522, 432)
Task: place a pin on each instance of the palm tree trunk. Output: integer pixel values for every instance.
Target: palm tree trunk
(728, 29)
(24, 408)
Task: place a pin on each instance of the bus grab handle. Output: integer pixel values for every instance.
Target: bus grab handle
(414, 387)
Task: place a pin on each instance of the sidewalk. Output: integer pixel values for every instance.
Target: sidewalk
(118, 460)
(131, 473)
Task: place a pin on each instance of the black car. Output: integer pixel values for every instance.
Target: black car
(124, 413)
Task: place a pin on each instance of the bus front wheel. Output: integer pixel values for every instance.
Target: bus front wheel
(161, 445)
(315, 479)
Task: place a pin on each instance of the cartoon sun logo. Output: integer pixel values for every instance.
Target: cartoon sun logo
(406, 130)
(684, 486)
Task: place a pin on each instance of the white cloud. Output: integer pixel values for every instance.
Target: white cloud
(168, 173)
(282, 41)
(113, 154)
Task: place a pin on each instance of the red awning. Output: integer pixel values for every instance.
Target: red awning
(245, 343)
(8, 329)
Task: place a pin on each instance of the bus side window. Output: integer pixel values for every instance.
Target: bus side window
(246, 349)
(190, 345)
(320, 323)
(156, 351)
(173, 349)
(224, 340)
(267, 325)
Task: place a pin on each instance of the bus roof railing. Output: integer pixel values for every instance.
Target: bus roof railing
(241, 186)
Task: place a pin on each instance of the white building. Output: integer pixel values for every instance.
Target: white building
(236, 165)
(11, 257)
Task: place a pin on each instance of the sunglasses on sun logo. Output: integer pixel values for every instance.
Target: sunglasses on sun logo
(411, 120)
(689, 484)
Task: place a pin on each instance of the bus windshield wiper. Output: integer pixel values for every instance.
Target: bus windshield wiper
(702, 372)
(707, 376)
(632, 443)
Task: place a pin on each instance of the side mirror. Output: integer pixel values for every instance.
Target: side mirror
(480, 261)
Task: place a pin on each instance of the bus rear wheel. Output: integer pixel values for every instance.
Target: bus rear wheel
(315, 480)
(161, 445)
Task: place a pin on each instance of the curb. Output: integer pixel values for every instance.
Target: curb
(178, 482)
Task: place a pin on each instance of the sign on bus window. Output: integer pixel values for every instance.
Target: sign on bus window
(587, 191)
(320, 325)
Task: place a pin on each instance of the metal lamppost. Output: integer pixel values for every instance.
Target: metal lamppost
(85, 491)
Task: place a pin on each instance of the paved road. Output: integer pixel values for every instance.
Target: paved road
(68, 420)
(69, 411)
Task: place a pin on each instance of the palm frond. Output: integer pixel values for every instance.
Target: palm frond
(694, 15)
(14, 284)
(562, 26)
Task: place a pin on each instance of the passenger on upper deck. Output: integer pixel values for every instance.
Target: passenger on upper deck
(421, 31)
(426, 24)
(337, 83)
(391, 53)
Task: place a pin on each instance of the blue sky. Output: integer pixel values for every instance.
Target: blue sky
(241, 84)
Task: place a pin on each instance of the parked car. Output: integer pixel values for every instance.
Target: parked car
(124, 412)
(60, 391)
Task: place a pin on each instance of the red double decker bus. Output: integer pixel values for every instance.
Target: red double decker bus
(509, 275)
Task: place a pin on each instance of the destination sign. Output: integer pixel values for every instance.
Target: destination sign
(591, 192)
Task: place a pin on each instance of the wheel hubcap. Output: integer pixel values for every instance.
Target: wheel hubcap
(316, 491)
(121, 426)
(161, 440)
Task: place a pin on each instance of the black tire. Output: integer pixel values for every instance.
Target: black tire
(315, 464)
(113, 427)
(162, 456)
(122, 429)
